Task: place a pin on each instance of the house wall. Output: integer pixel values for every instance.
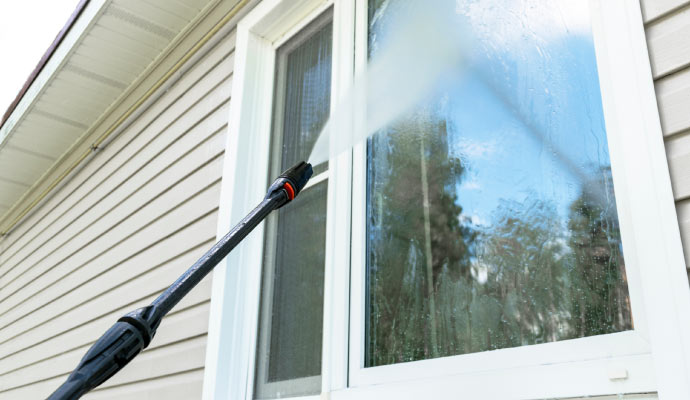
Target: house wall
(145, 208)
(667, 24)
(111, 239)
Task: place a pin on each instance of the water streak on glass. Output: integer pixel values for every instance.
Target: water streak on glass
(491, 212)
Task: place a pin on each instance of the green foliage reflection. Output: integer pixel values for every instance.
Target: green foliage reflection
(439, 285)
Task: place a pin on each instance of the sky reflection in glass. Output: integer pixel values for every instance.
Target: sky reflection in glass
(506, 233)
(530, 99)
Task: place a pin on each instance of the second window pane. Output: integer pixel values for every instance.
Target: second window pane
(491, 218)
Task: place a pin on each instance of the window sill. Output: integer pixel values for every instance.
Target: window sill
(563, 380)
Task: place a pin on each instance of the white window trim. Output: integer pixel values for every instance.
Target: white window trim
(637, 145)
(654, 355)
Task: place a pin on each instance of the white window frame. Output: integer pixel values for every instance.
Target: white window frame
(653, 357)
(231, 348)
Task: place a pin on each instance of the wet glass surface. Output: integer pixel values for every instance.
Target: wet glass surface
(491, 213)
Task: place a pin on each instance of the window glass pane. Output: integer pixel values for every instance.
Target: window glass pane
(491, 213)
(291, 320)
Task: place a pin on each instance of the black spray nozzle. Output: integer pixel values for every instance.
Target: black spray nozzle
(292, 181)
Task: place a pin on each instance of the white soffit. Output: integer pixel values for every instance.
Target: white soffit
(110, 46)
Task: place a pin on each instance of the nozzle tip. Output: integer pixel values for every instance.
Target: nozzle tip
(298, 175)
(293, 180)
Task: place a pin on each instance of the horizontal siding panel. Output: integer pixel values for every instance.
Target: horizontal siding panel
(113, 277)
(143, 365)
(184, 386)
(190, 186)
(95, 174)
(678, 156)
(653, 9)
(56, 262)
(76, 310)
(40, 390)
(59, 281)
(157, 362)
(189, 318)
(673, 97)
(151, 134)
(122, 183)
(64, 322)
(77, 235)
(116, 235)
(683, 210)
(186, 312)
(668, 43)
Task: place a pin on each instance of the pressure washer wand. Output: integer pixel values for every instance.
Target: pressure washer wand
(133, 332)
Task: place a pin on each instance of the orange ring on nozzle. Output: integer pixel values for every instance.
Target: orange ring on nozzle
(290, 190)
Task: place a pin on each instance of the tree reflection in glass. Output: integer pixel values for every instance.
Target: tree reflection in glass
(491, 217)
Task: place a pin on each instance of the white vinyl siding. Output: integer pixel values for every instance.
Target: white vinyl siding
(657, 12)
(135, 217)
(667, 24)
(112, 238)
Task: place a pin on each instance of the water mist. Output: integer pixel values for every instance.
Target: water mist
(422, 45)
(426, 41)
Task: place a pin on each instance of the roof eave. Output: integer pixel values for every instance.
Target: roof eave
(44, 59)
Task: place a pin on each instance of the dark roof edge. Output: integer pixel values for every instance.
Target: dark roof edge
(44, 60)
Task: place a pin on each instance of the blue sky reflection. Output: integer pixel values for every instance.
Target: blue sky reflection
(491, 213)
(528, 107)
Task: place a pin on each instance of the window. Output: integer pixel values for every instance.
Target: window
(508, 238)
(291, 323)
(491, 211)
(490, 215)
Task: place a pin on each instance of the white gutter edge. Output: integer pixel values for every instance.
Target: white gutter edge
(81, 25)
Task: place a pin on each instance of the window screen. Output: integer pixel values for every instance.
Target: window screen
(291, 318)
